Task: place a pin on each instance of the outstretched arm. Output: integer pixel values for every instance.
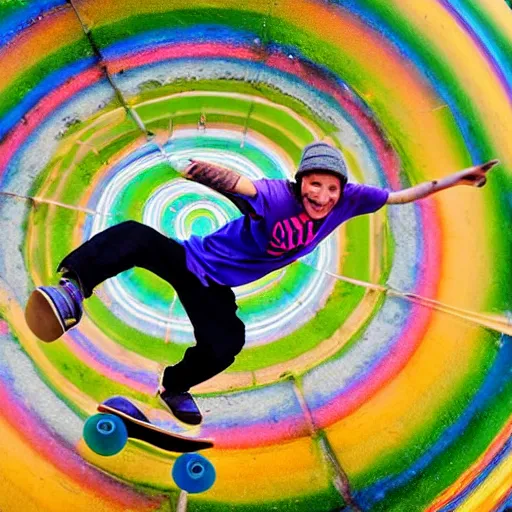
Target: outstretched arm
(219, 178)
(474, 176)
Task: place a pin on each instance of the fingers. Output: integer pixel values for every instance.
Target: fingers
(179, 163)
(192, 169)
(475, 180)
(489, 165)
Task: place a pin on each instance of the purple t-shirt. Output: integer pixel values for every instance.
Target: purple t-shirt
(279, 233)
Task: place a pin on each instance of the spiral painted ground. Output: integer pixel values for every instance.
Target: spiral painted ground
(377, 371)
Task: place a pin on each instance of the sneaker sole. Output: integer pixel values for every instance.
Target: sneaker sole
(42, 317)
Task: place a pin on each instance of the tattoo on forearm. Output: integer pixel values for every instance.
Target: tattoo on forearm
(213, 176)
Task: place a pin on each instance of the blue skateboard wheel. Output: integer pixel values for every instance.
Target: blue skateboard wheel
(105, 434)
(193, 473)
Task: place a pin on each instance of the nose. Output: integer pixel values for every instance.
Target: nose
(323, 196)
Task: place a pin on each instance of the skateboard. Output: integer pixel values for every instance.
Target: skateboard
(42, 317)
(137, 426)
(119, 419)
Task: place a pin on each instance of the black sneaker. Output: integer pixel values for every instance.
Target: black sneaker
(182, 406)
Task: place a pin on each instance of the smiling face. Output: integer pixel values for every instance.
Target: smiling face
(320, 192)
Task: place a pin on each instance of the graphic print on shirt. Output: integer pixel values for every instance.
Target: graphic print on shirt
(292, 234)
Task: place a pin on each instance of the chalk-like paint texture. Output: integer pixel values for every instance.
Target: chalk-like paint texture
(377, 371)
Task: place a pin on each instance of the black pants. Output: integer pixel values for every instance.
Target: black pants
(219, 333)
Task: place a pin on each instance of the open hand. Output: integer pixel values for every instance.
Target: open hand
(181, 164)
(476, 176)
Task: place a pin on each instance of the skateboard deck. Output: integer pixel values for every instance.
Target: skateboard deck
(42, 318)
(139, 427)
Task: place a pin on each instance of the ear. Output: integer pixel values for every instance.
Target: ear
(296, 188)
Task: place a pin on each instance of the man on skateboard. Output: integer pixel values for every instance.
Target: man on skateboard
(282, 222)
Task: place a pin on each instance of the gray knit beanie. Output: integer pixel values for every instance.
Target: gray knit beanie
(322, 157)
